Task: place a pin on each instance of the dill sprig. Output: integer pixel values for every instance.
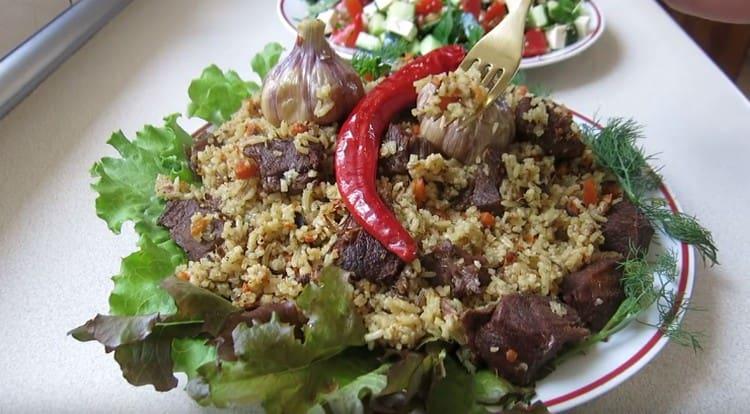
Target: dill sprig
(615, 148)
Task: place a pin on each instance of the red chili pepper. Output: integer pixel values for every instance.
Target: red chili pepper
(348, 35)
(425, 7)
(358, 147)
(494, 15)
(354, 7)
(535, 43)
(472, 6)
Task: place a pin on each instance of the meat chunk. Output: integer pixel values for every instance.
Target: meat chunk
(626, 226)
(595, 291)
(455, 267)
(522, 334)
(177, 217)
(407, 143)
(277, 157)
(558, 136)
(199, 144)
(365, 257)
(484, 190)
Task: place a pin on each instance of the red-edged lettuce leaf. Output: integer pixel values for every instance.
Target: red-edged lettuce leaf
(150, 348)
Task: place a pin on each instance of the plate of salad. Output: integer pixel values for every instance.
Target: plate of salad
(356, 237)
(555, 29)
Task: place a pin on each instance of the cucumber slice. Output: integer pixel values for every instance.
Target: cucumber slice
(382, 5)
(582, 26)
(403, 28)
(556, 36)
(376, 24)
(538, 16)
(428, 44)
(368, 42)
(399, 10)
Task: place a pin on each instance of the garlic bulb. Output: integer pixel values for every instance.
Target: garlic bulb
(466, 140)
(312, 83)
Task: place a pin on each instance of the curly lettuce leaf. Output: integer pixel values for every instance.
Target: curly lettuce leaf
(217, 94)
(126, 184)
(289, 391)
(349, 398)
(279, 370)
(266, 59)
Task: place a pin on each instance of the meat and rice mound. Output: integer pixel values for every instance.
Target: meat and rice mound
(281, 227)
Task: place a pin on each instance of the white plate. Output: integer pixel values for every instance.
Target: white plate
(292, 12)
(609, 364)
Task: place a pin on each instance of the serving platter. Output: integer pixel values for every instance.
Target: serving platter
(608, 364)
(291, 12)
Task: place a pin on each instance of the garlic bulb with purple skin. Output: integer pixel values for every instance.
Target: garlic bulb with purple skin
(466, 140)
(312, 84)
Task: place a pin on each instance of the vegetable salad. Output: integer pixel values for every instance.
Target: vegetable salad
(425, 25)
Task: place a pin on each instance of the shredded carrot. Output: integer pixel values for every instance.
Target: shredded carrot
(511, 355)
(590, 194)
(415, 129)
(487, 219)
(246, 169)
(420, 192)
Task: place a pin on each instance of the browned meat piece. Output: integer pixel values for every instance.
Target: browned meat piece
(406, 144)
(177, 217)
(558, 137)
(626, 226)
(286, 312)
(455, 267)
(484, 191)
(595, 291)
(278, 156)
(365, 257)
(199, 144)
(522, 334)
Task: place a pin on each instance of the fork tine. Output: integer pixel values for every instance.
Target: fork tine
(489, 79)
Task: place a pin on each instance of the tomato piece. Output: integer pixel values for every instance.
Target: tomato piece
(494, 15)
(473, 7)
(535, 43)
(347, 36)
(245, 170)
(590, 195)
(425, 7)
(354, 7)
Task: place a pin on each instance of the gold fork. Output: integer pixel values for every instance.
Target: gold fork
(498, 54)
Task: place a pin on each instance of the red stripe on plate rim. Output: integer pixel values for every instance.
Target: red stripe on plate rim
(657, 341)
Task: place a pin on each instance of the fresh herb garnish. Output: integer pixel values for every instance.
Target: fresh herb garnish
(615, 148)
(457, 27)
(566, 11)
(372, 65)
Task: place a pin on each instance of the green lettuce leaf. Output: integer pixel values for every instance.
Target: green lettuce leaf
(266, 59)
(279, 370)
(288, 391)
(126, 184)
(217, 94)
(349, 398)
(137, 289)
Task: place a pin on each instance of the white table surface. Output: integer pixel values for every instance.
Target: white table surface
(56, 256)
